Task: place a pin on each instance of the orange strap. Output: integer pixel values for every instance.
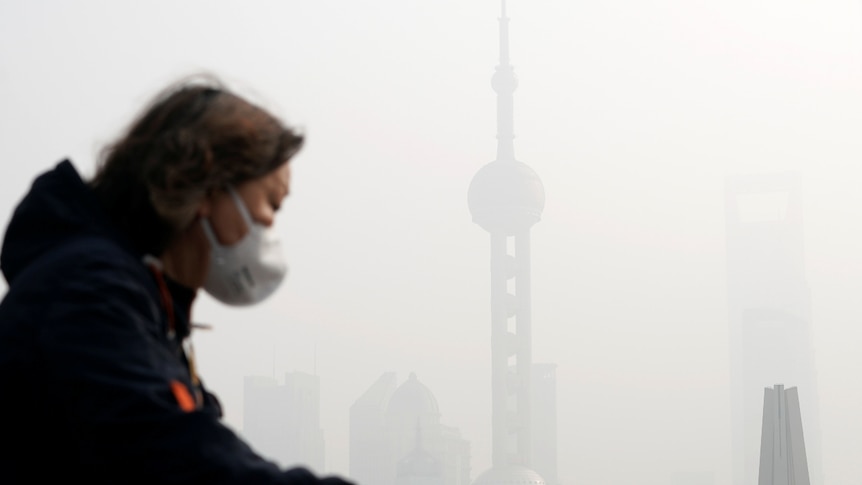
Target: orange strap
(184, 397)
(181, 392)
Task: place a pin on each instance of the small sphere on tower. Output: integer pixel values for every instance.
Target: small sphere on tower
(504, 80)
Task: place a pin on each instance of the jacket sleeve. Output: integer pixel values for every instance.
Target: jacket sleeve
(107, 371)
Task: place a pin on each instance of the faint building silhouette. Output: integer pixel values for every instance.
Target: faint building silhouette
(783, 459)
(396, 437)
(282, 421)
(419, 467)
(370, 450)
(506, 198)
(544, 421)
(769, 311)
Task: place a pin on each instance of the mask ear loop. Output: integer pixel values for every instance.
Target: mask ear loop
(243, 211)
(240, 205)
(208, 230)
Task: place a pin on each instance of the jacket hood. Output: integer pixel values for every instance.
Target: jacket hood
(59, 206)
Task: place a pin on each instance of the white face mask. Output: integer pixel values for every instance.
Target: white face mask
(248, 271)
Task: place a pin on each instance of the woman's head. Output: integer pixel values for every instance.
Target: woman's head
(194, 140)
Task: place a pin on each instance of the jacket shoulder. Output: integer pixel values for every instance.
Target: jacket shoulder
(80, 272)
(84, 259)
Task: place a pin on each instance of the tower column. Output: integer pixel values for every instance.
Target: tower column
(525, 345)
(504, 83)
(499, 355)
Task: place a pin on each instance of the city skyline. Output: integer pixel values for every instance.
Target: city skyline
(633, 113)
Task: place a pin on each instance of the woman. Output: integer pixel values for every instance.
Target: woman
(97, 384)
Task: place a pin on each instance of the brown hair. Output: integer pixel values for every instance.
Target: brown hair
(196, 137)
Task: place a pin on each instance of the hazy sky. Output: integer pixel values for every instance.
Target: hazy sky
(632, 112)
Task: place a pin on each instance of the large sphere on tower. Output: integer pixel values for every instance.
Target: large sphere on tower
(506, 197)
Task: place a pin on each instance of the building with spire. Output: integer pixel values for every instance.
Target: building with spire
(396, 437)
(506, 198)
(419, 467)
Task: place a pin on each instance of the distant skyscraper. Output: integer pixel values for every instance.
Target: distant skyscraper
(769, 312)
(544, 421)
(506, 198)
(371, 454)
(282, 421)
(396, 438)
(782, 445)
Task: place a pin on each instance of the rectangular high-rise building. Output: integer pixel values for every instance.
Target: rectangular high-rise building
(282, 421)
(371, 460)
(544, 421)
(769, 311)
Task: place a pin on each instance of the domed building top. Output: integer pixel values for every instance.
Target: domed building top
(506, 197)
(509, 475)
(419, 463)
(412, 398)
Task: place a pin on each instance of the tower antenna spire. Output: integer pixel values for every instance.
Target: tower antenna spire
(504, 35)
(505, 83)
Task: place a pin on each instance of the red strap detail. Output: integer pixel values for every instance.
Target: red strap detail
(167, 301)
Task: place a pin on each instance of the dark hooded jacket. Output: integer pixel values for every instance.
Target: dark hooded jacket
(95, 385)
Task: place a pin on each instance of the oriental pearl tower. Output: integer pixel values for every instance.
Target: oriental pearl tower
(506, 198)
